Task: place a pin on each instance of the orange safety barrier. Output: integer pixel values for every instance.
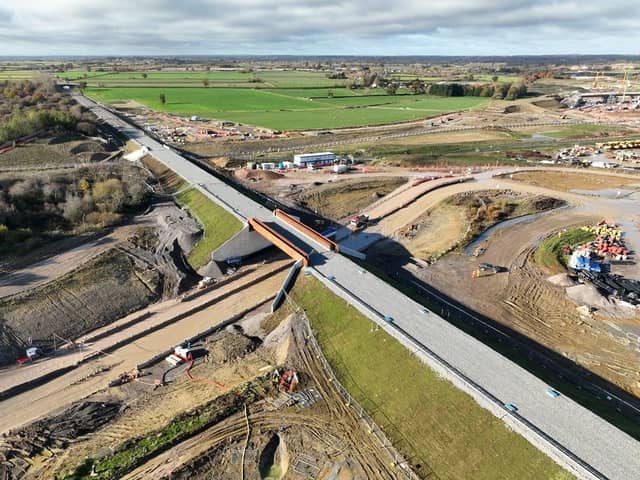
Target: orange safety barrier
(310, 232)
(279, 241)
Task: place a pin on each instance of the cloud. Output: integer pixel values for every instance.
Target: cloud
(456, 27)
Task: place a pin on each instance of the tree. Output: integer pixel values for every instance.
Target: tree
(392, 88)
(84, 185)
(109, 195)
(494, 79)
(417, 87)
(205, 83)
(144, 75)
(163, 98)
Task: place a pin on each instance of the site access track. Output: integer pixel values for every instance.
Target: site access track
(576, 438)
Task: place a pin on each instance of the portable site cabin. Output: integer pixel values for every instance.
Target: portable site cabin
(307, 159)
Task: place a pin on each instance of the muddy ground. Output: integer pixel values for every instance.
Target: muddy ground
(275, 434)
(127, 275)
(57, 151)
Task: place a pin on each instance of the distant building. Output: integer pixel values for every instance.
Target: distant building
(306, 159)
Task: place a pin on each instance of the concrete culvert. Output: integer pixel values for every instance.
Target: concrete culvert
(274, 459)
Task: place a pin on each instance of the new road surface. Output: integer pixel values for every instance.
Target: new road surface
(583, 442)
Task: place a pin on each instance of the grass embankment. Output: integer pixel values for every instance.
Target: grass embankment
(341, 199)
(435, 425)
(134, 452)
(549, 254)
(218, 225)
(582, 131)
(484, 209)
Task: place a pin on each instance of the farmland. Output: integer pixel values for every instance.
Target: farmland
(275, 99)
(285, 109)
(263, 79)
(16, 74)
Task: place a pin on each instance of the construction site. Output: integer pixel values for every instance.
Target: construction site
(253, 398)
(294, 304)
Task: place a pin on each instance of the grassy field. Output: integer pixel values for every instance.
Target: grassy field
(430, 421)
(344, 198)
(549, 254)
(261, 79)
(286, 109)
(582, 131)
(218, 224)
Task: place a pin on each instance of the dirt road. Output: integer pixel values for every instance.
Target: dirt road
(151, 317)
(523, 300)
(90, 377)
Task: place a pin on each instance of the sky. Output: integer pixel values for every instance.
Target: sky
(318, 27)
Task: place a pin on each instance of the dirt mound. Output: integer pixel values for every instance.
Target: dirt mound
(279, 341)
(174, 223)
(106, 288)
(255, 175)
(587, 295)
(550, 103)
(230, 345)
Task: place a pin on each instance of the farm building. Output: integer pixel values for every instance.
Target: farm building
(306, 159)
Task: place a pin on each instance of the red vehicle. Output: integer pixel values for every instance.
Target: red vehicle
(23, 360)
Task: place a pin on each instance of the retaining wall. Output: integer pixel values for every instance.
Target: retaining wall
(285, 285)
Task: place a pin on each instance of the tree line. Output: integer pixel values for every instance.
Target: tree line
(36, 208)
(28, 106)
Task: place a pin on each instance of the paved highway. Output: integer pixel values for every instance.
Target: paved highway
(560, 426)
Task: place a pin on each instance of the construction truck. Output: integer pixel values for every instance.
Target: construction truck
(485, 270)
(287, 380)
(358, 222)
(125, 377)
(31, 354)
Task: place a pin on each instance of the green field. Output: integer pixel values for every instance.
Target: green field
(286, 109)
(430, 421)
(261, 79)
(586, 131)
